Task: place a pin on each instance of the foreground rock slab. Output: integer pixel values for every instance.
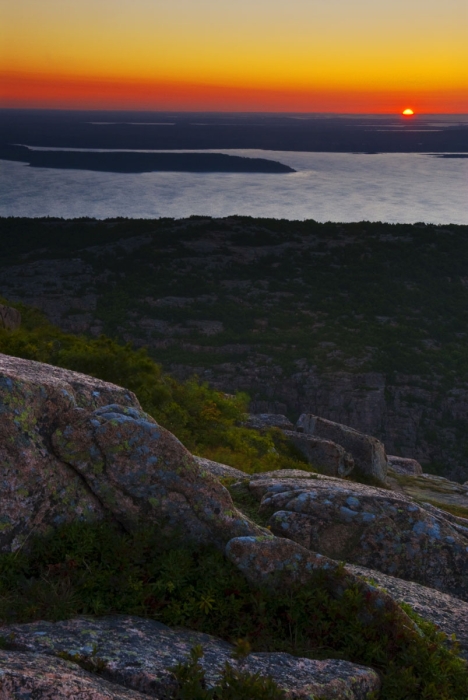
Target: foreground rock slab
(40, 677)
(369, 455)
(73, 447)
(140, 472)
(39, 491)
(371, 527)
(138, 653)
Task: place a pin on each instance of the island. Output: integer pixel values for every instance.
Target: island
(141, 162)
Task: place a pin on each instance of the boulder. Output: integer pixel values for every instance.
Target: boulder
(140, 473)
(326, 456)
(370, 459)
(39, 491)
(263, 421)
(9, 318)
(370, 527)
(404, 465)
(74, 447)
(138, 654)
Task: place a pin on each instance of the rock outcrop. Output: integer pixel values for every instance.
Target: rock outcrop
(140, 473)
(10, 318)
(326, 456)
(44, 678)
(404, 465)
(219, 470)
(370, 459)
(40, 491)
(73, 447)
(135, 656)
(263, 421)
(448, 613)
(372, 527)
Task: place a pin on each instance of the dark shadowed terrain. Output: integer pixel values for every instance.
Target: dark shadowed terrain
(362, 323)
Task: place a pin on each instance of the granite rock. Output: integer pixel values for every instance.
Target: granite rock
(370, 459)
(372, 527)
(324, 455)
(263, 421)
(218, 469)
(10, 318)
(448, 613)
(404, 465)
(74, 447)
(38, 490)
(138, 654)
(140, 472)
(41, 677)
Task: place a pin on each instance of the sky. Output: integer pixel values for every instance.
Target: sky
(246, 55)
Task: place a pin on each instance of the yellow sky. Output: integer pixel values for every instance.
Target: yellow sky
(410, 46)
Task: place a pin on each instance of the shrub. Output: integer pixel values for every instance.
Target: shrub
(97, 569)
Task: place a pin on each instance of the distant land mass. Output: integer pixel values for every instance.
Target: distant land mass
(128, 162)
(200, 131)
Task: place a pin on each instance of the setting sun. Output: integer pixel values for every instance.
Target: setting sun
(408, 112)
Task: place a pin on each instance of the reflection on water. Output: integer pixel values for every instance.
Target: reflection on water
(396, 187)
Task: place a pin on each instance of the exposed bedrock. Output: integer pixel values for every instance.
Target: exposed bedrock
(74, 447)
(404, 465)
(370, 527)
(138, 654)
(326, 456)
(140, 472)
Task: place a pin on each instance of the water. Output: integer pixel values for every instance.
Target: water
(391, 187)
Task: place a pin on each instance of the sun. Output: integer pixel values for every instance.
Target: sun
(408, 112)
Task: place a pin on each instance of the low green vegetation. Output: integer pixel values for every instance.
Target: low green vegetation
(235, 684)
(208, 422)
(98, 570)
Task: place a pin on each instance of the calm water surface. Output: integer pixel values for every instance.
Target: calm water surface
(401, 187)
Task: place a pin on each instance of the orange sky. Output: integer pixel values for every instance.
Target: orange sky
(251, 55)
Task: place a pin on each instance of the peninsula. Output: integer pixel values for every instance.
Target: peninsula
(137, 162)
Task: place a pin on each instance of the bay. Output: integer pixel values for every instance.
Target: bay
(391, 187)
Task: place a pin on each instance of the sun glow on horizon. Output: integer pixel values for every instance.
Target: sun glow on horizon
(408, 112)
(271, 55)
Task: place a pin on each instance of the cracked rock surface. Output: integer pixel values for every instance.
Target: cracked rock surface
(138, 653)
(40, 677)
(370, 527)
(74, 447)
(140, 471)
(38, 490)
